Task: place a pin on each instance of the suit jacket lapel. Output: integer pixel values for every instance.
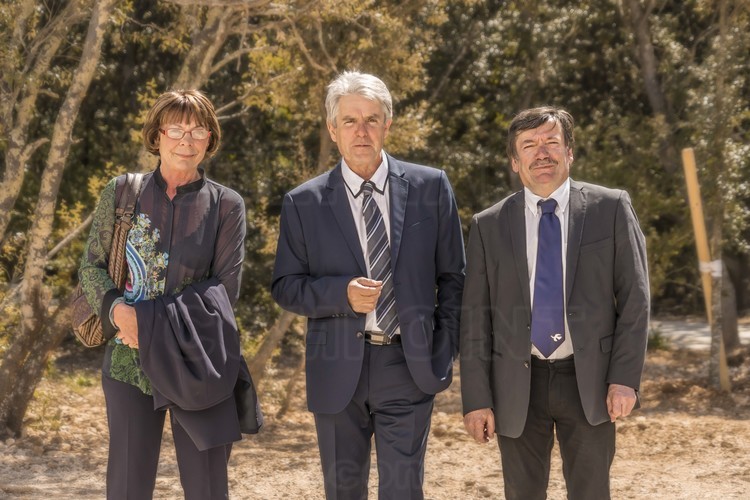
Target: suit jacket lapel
(399, 192)
(576, 219)
(518, 241)
(338, 201)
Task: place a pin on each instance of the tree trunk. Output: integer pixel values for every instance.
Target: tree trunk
(730, 333)
(325, 147)
(729, 327)
(22, 390)
(718, 371)
(718, 374)
(258, 364)
(637, 18)
(738, 265)
(23, 365)
(291, 385)
(19, 104)
(274, 337)
(198, 64)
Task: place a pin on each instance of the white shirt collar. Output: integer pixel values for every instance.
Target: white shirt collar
(354, 181)
(561, 196)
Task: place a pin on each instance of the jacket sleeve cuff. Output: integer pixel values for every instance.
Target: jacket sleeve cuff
(109, 301)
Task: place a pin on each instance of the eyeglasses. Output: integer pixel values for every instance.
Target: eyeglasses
(198, 134)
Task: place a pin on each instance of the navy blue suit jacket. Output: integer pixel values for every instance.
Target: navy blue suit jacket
(319, 253)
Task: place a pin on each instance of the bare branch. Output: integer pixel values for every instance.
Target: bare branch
(242, 112)
(57, 28)
(70, 237)
(226, 107)
(12, 296)
(236, 55)
(254, 89)
(306, 53)
(29, 149)
(466, 42)
(322, 43)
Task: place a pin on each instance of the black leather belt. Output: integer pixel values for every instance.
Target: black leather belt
(380, 338)
(553, 363)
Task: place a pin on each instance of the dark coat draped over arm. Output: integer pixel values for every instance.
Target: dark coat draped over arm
(190, 350)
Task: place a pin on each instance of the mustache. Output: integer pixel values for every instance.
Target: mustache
(544, 163)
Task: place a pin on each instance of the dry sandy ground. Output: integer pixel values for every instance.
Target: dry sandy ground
(686, 442)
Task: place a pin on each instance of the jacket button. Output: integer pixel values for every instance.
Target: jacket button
(360, 335)
(525, 364)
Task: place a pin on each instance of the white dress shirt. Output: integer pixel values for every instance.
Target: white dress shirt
(533, 213)
(380, 196)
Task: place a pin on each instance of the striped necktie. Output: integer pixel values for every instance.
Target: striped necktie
(547, 315)
(379, 254)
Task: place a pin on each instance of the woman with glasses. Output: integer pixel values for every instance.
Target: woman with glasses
(173, 340)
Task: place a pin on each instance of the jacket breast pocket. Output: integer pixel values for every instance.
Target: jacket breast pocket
(597, 245)
(316, 337)
(420, 224)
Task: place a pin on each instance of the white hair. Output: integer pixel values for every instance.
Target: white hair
(353, 82)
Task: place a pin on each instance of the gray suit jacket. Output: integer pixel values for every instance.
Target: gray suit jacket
(319, 253)
(607, 297)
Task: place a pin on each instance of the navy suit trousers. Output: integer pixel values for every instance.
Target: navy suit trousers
(389, 405)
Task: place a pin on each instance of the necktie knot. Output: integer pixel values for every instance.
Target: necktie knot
(548, 206)
(367, 188)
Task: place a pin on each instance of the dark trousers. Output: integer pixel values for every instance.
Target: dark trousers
(135, 431)
(388, 404)
(587, 451)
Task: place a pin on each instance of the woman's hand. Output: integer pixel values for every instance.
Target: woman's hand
(126, 321)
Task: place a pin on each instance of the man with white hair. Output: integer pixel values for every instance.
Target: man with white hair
(372, 253)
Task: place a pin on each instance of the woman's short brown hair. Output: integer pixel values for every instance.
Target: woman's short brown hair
(178, 105)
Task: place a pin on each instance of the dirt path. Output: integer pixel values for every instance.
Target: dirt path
(686, 442)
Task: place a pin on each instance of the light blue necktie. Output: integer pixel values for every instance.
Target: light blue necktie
(547, 315)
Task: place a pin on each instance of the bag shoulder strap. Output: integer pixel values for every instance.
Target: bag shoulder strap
(128, 199)
(133, 190)
(124, 211)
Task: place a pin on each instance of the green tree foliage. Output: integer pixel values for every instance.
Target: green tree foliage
(643, 78)
(506, 56)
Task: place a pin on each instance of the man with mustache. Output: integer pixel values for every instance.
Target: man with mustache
(555, 316)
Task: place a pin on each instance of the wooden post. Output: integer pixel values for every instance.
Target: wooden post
(710, 272)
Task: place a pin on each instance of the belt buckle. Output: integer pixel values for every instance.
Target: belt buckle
(377, 338)
(380, 338)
